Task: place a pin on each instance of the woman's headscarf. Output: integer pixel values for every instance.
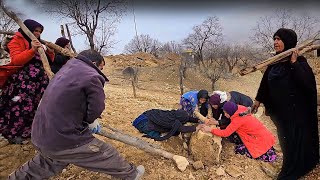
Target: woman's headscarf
(31, 25)
(203, 94)
(288, 37)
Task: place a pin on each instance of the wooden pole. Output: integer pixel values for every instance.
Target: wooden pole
(70, 39)
(115, 134)
(303, 48)
(62, 31)
(59, 49)
(41, 51)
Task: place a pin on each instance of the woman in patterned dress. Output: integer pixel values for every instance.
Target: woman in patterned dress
(22, 91)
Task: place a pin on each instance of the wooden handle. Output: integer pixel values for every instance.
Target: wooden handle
(303, 48)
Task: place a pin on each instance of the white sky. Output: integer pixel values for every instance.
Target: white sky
(166, 24)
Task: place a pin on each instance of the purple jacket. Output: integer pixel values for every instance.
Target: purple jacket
(73, 99)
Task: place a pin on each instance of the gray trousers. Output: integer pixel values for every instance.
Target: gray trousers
(95, 156)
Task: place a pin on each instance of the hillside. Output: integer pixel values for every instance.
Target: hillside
(158, 87)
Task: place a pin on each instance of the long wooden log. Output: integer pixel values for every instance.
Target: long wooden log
(115, 134)
(41, 51)
(49, 44)
(303, 48)
(62, 31)
(70, 39)
(59, 49)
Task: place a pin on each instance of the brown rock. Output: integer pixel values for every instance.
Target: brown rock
(205, 147)
(3, 142)
(268, 169)
(220, 171)
(234, 171)
(198, 165)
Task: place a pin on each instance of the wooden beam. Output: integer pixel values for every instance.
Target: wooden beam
(115, 134)
(70, 39)
(62, 31)
(303, 48)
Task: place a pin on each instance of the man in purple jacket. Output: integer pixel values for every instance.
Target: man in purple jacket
(63, 125)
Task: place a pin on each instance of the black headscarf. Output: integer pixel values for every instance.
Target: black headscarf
(203, 94)
(289, 39)
(31, 25)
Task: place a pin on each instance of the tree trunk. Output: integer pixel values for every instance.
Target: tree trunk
(213, 82)
(70, 39)
(115, 134)
(91, 42)
(133, 88)
(181, 76)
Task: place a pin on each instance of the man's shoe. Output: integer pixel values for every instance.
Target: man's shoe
(140, 173)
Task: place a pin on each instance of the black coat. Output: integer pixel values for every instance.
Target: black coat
(59, 61)
(289, 94)
(169, 121)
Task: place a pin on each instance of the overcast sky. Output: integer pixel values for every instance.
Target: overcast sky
(173, 20)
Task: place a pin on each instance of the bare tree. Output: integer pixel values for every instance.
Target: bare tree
(104, 41)
(213, 67)
(206, 35)
(89, 16)
(172, 47)
(131, 73)
(143, 43)
(6, 23)
(305, 25)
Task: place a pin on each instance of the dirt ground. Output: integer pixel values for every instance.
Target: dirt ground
(158, 87)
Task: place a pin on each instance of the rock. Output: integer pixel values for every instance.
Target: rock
(3, 142)
(198, 165)
(234, 171)
(205, 147)
(191, 176)
(220, 171)
(185, 146)
(181, 162)
(64, 170)
(268, 169)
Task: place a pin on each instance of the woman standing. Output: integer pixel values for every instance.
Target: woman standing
(23, 89)
(288, 92)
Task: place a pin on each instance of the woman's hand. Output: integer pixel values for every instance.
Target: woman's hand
(206, 128)
(200, 126)
(35, 44)
(212, 121)
(294, 56)
(255, 106)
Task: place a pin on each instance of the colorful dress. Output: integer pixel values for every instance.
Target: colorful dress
(20, 98)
